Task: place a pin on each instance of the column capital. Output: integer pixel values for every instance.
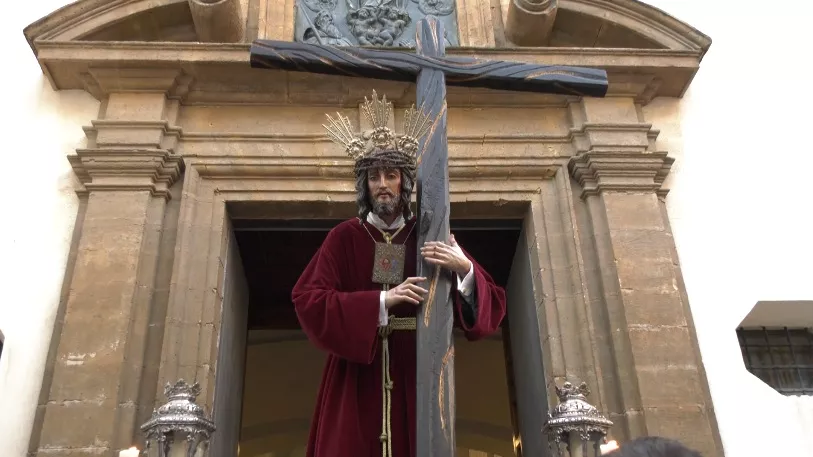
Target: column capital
(111, 169)
(616, 148)
(599, 171)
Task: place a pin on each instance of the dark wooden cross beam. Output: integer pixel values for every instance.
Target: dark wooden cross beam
(435, 407)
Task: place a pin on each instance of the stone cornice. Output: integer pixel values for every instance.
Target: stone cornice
(133, 134)
(312, 138)
(110, 169)
(82, 17)
(627, 138)
(79, 18)
(335, 167)
(639, 73)
(651, 22)
(227, 52)
(599, 171)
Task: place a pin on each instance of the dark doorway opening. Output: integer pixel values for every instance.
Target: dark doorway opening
(274, 254)
(283, 369)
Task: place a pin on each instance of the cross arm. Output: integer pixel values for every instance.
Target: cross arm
(404, 66)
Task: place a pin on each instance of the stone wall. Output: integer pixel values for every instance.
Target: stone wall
(586, 182)
(185, 129)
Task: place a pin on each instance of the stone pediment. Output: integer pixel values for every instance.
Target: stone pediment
(645, 51)
(623, 24)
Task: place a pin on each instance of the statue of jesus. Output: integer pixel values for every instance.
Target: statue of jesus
(358, 297)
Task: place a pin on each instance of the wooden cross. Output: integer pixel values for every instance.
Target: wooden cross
(435, 407)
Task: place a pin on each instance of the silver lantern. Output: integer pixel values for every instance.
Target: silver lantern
(575, 426)
(179, 427)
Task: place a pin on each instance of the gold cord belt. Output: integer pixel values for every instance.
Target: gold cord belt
(393, 324)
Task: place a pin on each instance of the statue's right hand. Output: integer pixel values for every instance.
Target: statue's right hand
(407, 292)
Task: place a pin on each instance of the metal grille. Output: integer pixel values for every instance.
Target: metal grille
(780, 357)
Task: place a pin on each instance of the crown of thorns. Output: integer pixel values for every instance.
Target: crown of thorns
(380, 144)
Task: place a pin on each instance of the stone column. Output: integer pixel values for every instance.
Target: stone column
(530, 22)
(218, 21)
(650, 364)
(100, 358)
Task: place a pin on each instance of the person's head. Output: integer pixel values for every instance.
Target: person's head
(653, 446)
(385, 189)
(323, 20)
(385, 162)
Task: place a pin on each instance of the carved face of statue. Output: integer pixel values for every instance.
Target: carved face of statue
(323, 20)
(384, 185)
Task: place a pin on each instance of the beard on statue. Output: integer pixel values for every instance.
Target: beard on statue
(384, 191)
(386, 205)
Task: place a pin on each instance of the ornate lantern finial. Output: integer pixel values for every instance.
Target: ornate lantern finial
(575, 423)
(178, 422)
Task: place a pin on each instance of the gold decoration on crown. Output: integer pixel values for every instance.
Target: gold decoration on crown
(380, 137)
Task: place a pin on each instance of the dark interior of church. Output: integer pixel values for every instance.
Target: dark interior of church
(275, 252)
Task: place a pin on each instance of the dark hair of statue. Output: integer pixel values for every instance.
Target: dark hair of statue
(363, 190)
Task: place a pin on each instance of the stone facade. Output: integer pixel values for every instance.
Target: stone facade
(188, 136)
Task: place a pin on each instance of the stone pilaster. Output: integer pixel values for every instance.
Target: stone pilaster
(475, 23)
(650, 365)
(276, 20)
(96, 385)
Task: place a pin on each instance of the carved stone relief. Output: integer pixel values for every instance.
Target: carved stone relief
(386, 23)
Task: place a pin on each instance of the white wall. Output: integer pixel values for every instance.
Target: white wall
(39, 209)
(739, 204)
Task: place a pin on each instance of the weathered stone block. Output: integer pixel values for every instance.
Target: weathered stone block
(609, 110)
(642, 244)
(628, 138)
(669, 386)
(135, 106)
(633, 211)
(89, 337)
(117, 205)
(128, 136)
(75, 424)
(689, 424)
(79, 377)
(653, 307)
(661, 347)
(646, 275)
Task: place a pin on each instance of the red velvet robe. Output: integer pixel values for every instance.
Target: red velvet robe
(338, 307)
